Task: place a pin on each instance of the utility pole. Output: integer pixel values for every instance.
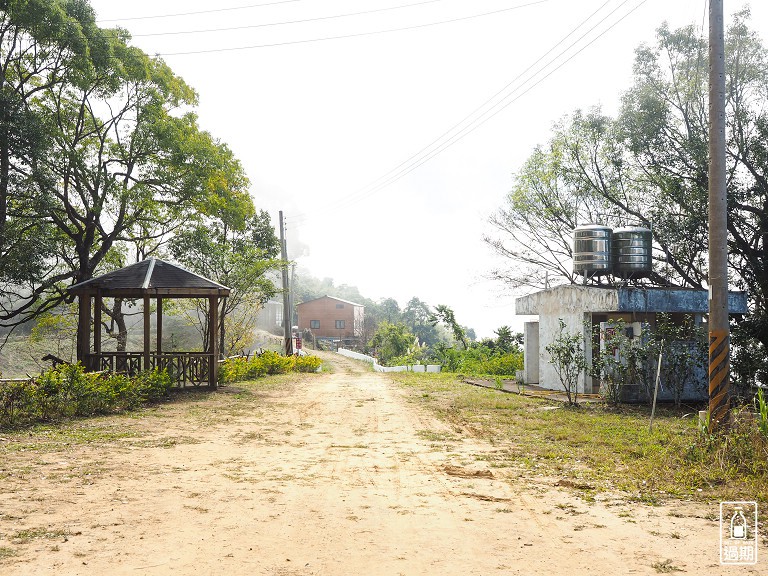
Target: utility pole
(286, 292)
(293, 291)
(719, 337)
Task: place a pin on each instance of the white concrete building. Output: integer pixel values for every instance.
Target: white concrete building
(582, 308)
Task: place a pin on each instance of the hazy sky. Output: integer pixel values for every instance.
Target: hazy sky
(335, 108)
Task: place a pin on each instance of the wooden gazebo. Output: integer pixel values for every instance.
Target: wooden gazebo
(150, 279)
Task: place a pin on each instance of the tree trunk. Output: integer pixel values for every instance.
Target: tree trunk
(122, 329)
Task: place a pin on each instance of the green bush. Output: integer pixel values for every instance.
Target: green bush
(307, 363)
(506, 364)
(232, 370)
(236, 369)
(68, 391)
(479, 361)
(255, 368)
(274, 363)
(153, 385)
(17, 402)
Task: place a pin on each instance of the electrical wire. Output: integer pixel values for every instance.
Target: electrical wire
(430, 151)
(211, 11)
(302, 21)
(354, 35)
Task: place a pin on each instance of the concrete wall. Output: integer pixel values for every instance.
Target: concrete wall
(575, 306)
(549, 330)
(434, 368)
(567, 299)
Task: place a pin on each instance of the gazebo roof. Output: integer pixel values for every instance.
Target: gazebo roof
(151, 277)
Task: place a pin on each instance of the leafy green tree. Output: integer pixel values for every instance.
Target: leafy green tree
(418, 317)
(240, 254)
(446, 315)
(392, 341)
(389, 310)
(506, 340)
(649, 165)
(117, 152)
(43, 46)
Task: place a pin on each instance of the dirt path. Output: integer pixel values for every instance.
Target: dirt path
(338, 474)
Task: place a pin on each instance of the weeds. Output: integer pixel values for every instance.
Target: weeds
(603, 446)
(24, 536)
(665, 567)
(761, 405)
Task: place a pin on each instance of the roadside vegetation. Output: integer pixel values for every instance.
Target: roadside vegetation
(598, 447)
(68, 391)
(267, 363)
(397, 344)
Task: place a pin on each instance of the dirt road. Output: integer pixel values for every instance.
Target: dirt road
(335, 474)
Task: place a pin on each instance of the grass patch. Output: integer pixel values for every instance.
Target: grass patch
(6, 552)
(665, 567)
(610, 448)
(30, 534)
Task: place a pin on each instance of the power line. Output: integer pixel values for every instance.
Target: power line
(302, 21)
(211, 11)
(437, 140)
(440, 144)
(487, 115)
(355, 35)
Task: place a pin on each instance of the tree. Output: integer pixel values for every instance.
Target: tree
(43, 46)
(418, 317)
(118, 155)
(392, 341)
(239, 253)
(649, 166)
(389, 310)
(506, 340)
(446, 315)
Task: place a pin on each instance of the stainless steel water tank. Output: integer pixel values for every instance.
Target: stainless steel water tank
(592, 250)
(632, 252)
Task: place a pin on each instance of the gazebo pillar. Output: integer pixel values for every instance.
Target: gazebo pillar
(97, 325)
(159, 327)
(147, 317)
(146, 280)
(83, 329)
(213, 341)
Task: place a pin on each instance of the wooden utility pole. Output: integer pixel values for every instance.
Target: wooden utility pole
(286, 292)
(719, 337)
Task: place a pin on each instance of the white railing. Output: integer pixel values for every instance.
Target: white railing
(379, 368)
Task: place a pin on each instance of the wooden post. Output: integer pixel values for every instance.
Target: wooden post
(213, 341)
(97, 326)
(84, 329)
(147, 327)
(159, 326)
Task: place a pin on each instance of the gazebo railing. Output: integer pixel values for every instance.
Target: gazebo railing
(185, 368)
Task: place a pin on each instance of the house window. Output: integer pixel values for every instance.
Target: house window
(314, 324)
(279, 317)
(339, 306)
(340, 324)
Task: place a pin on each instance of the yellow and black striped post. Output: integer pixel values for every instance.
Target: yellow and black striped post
(719, 404)
(719, 367)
